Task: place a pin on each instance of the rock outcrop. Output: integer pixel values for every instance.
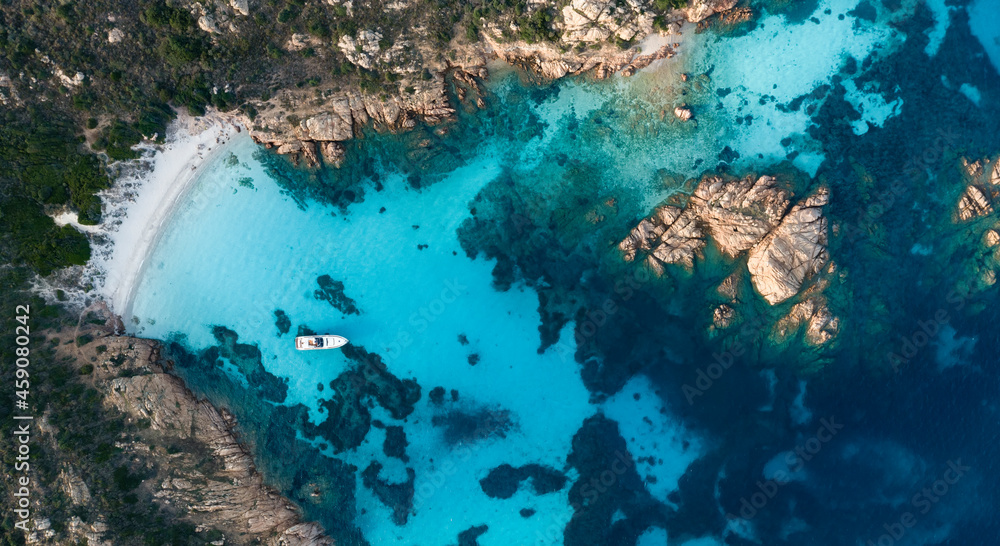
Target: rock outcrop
(973, 204)
(699, 10)
(740, 215)
(232, 496)
(793, 252)
(813, 313)
(683, 113)
(293, 117)
(592, 21)
(979, 201)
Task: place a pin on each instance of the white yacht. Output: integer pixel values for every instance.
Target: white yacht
(313, 343)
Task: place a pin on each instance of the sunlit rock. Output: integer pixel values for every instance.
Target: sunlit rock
(791, 253)
(991, 238)
(739, 213)
(207, 24)
(240, 6)
(335, 125)
(813, 313)
(698, 10)
(361, 50)
(723, 316)
(973, 204)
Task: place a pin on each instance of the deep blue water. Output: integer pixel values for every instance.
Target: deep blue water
(512, 378)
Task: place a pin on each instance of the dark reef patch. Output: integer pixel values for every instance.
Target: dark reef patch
(608, 483)
(332, 292)
(463, 427)
(470, 536)
(395, 443)
(503, 481)
(864, 11)
(436, 395)
(397, 496)
(247, 359)
(282, 322)
(348, 418)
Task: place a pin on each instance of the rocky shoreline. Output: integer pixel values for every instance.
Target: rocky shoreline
(312, 126)
(189, 451)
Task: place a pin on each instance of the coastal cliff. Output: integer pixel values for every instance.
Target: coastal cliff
(584, 36)
(185, 456)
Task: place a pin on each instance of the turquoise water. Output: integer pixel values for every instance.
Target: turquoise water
(478, 261)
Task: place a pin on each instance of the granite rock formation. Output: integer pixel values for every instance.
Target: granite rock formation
(298, 122)
(740, 215)
(232, 496)
(792, 252)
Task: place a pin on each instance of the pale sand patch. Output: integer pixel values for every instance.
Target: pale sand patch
(140, 205)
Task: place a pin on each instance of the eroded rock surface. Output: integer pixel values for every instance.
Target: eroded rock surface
(973, 204)
(793, 252)
(231, 494)
(813, 313)
(740, 215)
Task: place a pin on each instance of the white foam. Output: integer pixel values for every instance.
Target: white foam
(139, 205)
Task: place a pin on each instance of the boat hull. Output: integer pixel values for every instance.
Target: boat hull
(319, 343)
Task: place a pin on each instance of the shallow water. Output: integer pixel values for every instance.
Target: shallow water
(478, 263)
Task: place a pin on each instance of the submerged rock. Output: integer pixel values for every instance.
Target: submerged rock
(723, 316)
(470, 536)
(821, 324)
(348, 417)
(467, 427)
(332, 292)
(282, 322)
(397, 496)
(683, 113)
(503, 481)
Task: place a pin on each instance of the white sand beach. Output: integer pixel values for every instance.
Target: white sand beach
(140, 204)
